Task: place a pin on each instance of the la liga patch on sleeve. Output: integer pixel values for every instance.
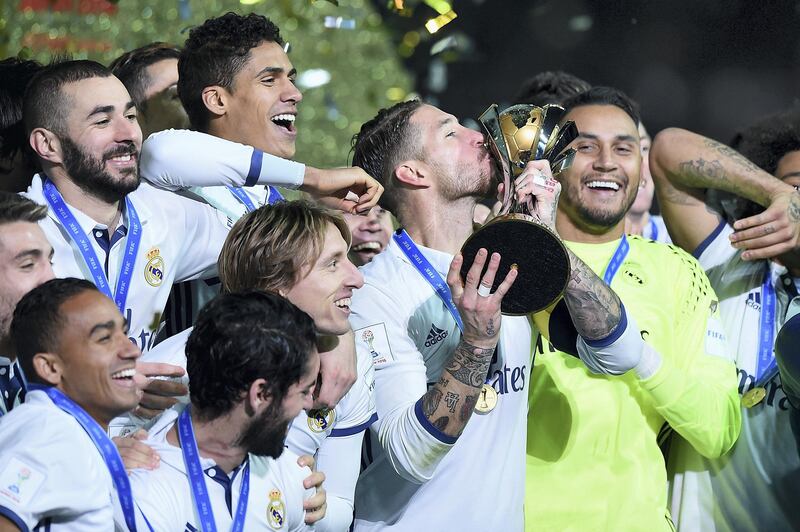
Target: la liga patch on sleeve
(376, 341)
(19, 482)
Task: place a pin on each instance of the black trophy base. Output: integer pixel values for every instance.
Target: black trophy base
(540, 256)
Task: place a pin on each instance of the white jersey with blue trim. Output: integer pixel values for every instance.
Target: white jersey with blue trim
(656, 230)
(414, 473)
(52, 477)
(180, 240)
(754, 486)
(163, 496)
(333, 436)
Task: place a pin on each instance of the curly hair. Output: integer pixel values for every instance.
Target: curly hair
(240, 338)
(214, 54)
(382, 143)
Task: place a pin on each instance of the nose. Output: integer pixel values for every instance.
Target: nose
(354, 278)
(476, 137)
(605, 162)
(128, 350)
(291, 93)
(308, 402)
(47, 273)
(128, 130)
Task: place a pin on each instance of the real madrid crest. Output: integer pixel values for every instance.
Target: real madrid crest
(154, 269)
(276, 511)
(320, 420)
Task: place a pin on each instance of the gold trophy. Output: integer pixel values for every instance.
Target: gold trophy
(520, 134)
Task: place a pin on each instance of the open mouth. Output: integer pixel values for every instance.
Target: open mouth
(372, 246)
(285, 121)
(599, 184)
(124, 377)
(343, 304)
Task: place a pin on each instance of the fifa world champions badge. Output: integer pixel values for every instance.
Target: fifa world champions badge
(276, 511)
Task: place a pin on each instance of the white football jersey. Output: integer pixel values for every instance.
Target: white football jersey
(753, 487)
(180, 240)
(163, 496)
(414, 472)
(51, 474)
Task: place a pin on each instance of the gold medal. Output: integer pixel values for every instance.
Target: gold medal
(487, 400)
(753, 397)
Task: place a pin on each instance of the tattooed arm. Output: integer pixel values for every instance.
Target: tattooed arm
(594, 308)
(685, 164)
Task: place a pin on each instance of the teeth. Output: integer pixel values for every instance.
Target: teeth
(124, 374)
(284, 118)
(122, 158)
(345, 302)
(372, 246)
(603, 184)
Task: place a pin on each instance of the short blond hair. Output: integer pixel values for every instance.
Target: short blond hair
(268, 247)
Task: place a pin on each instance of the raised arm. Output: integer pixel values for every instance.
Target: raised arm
(684, 165)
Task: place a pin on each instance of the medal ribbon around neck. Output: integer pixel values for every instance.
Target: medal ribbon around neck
(104, 446)
(241, 196)
(202, 502)
(132, 241)
(616, 260)
(653, 230)
(766, 328)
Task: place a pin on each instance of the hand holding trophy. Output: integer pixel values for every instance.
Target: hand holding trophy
(520, 134)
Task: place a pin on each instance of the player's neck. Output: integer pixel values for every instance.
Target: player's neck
(573, 232)
(215, 441)
(7, 349)
(95, 208)
(441, 225)
(637, 222)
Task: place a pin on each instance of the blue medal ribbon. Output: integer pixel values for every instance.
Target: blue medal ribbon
(272, 196)
(86, 250)
(766, 329)
(428, 272)
(616, 260)
(104, 445)
(202, 502)
(653, 230)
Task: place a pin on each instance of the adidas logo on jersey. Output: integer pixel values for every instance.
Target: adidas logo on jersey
(435, 336)
(754, 300)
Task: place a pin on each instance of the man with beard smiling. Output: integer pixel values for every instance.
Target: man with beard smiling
(594, 430)
(132, 241)
(371, 234)
(252, 365)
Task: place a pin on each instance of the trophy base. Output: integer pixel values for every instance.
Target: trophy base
(541, 258)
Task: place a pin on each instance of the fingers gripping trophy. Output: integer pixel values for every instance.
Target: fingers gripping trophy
(520, 134)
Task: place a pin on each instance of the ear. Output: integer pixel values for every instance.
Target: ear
(413, 173)
(48, 367)
(46, 144)
(215, 98)
(257, 396)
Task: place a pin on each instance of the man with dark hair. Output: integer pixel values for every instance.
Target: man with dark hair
(223, 457)
(237, 84)
(550, 87)
(150, 73)
(73, 346)
(25, 258)
(593, 430)
(299, 250)
(16, 162)
(451, 408)
(749, 249)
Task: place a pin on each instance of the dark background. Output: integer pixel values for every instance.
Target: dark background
(711, 66)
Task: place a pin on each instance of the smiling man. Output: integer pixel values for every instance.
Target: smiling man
(73, 346)
(594, 432)
(370, 233)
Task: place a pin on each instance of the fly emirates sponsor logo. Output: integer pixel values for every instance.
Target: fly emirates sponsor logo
(144, 338)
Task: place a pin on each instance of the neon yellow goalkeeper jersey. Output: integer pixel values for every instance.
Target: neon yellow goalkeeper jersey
(593, 459)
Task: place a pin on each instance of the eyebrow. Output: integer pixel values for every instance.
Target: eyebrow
(106, 325)
(592, 136)
(107, 109)
(36, 253)
(790, 174)
(445, 121)
(275, 70)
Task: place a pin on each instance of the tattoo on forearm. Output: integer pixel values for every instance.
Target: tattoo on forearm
(733, 155)
(430, 401)
(794, 208)
(595, 308)
(451, 400)
(441, 423)
(704, 173)
(467, 407)
(469, 364)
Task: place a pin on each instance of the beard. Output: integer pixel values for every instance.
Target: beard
(603, 217)
(463, 181)
(266, 433)
(90, 173)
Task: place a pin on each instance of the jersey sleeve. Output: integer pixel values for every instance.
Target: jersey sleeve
(178, 159)
(696, 387)
(157, 502)
(412, 444)
(357, 407)
(716, 249)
